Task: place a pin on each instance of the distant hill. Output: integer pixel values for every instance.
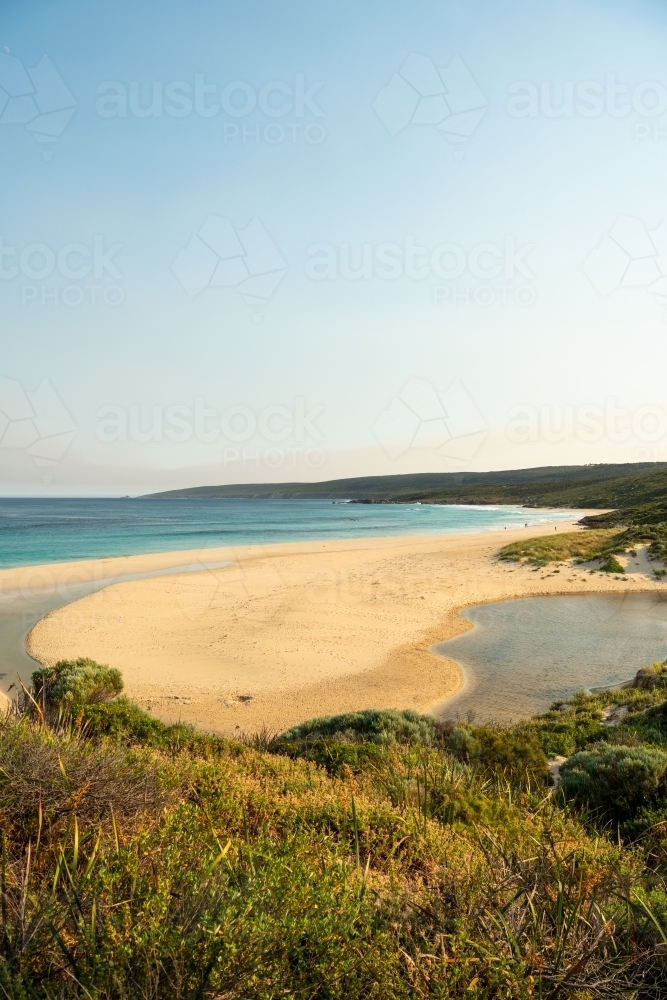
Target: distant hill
(610, 486)
(606, 486)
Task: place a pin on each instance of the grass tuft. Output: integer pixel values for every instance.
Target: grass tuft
(611, 565)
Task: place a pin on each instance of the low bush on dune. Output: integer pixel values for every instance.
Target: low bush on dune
(350, 739)
(370, 726)
(611, 565)
(73, 683)
(353, 740)
(615, 781)
(121, 719)
(658, 543)
(513, 753)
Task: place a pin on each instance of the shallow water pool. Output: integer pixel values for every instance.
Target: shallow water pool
(526, 653)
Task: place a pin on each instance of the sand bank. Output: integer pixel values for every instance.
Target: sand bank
(285, 632)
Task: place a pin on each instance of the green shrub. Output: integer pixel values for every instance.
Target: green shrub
(73, 683)
(123, 720)
(568, 728)
(649, 826)
(338, 759)
(515, 753)
(615, 781)
(461, 742)
(658, 547)
(369, 726)
(611, 565)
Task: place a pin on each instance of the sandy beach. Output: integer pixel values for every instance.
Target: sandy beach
(282, 633)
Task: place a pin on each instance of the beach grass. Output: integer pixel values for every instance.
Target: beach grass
(602, 543)
(579, 545)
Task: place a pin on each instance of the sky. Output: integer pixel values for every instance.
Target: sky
(283, 242)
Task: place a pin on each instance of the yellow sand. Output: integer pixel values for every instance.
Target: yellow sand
(287, 632)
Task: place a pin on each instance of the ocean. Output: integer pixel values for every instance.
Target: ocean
(35, 531)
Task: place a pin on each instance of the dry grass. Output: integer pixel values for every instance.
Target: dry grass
(47, 777)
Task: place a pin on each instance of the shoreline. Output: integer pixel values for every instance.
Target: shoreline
(519, 660)
(290, 631)
(100, 562)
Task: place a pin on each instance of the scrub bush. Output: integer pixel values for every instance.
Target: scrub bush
(73, 683)
(370, 726)
(515, 753)
(615, 781)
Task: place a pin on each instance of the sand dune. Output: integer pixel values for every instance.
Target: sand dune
(286, 632)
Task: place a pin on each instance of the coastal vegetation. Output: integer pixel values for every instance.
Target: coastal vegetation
(639, 518)
(636, 488)
(367, 855)
(73, 683)
(601, 486)
(587, 546)
(582, 546)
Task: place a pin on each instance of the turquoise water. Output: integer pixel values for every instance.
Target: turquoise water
(524, 654)
(34, 531)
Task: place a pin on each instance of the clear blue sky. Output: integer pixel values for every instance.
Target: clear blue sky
(316, 121)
